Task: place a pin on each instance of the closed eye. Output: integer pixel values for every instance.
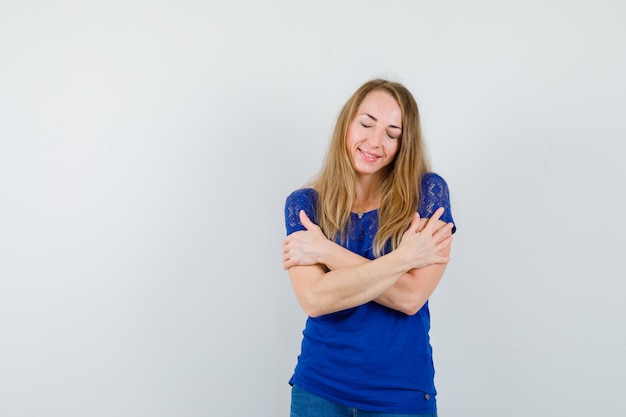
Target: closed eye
(392, 134)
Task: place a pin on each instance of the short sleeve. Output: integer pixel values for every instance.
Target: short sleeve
(303, 199)
(435, 194)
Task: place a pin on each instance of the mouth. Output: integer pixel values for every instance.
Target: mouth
(369, 157)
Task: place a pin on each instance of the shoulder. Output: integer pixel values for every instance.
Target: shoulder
(302, 196)
(434, 187)
(434, 194)
(432, 181)
(302, 199)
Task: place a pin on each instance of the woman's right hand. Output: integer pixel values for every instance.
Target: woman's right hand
(422, 247)
(306, 247)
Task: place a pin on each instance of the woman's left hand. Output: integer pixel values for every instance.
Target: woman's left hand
(306, 247)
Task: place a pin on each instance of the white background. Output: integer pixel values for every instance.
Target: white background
(147, 147)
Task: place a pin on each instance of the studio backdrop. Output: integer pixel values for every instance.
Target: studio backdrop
(147, 148)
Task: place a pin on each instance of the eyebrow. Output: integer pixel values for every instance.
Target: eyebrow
(375, 119)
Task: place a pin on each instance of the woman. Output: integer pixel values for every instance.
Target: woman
(367, 244)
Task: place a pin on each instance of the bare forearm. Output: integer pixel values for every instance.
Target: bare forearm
(408, 294)
(350, 286)
(336, 256)
(328, 278)
(412, 290)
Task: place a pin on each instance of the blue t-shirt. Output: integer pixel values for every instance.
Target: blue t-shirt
(369, 357)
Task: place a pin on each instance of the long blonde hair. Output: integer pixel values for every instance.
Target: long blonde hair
(400, 184)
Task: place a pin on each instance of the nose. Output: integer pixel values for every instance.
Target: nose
(375, 138)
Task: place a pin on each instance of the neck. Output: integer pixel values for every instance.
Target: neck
(367, 197)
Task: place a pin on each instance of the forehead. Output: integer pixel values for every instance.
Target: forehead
(383, 106)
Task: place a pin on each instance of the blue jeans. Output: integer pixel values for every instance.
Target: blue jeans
(305, 404)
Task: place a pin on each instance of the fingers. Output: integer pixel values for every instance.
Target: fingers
(444, 244)
(306, 222)
(442, 260)
(414, 227)
(423, 222)
(432, 226)
(288, 260)
(432, 222)
(427, 224)
(287, 264)
(443, 232)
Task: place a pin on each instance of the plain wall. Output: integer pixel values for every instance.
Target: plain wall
(147, 147)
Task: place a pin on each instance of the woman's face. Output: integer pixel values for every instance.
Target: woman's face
(374, 133)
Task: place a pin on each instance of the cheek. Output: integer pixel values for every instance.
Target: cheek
(394, 149)
(349, 139)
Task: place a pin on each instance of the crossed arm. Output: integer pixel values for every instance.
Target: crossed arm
(327, 277)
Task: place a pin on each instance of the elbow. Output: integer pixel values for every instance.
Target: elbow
(311, 307)
(412, 306)
(310, 311)
(409, 310)
(314, 312)
(315, 306)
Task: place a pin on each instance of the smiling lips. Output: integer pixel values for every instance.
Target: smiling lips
(368, 156)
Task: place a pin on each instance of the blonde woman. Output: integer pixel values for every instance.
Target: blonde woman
(367, 244)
